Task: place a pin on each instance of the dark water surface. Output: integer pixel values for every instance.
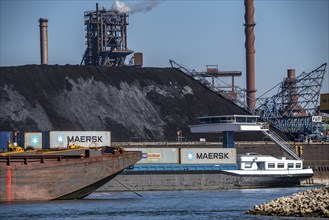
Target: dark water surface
(216, 204)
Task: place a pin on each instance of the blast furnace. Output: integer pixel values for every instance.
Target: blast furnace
(106, 37)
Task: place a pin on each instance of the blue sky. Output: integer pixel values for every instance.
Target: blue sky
(289, 34)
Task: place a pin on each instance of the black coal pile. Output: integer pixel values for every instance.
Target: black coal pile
(145, 104)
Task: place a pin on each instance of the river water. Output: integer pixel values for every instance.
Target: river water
(162, 205)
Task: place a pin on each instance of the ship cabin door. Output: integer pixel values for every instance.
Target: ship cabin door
(260, 165)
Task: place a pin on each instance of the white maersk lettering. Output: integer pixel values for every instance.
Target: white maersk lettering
(84, 139)
(212, 156)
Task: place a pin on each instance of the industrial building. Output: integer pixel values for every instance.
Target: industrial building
(140, 105)
(106, 38)
(292, 110)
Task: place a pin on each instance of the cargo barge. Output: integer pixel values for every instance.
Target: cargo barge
(207, 174)
(180, 165)
(215, 168)
(73, 174)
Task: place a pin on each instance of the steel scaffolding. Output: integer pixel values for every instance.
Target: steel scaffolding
(229, 91)
(291, 109)
(106, 38)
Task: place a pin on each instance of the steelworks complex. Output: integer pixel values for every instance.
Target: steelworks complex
(150, 109)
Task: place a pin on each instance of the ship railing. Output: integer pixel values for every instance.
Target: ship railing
(277, 139)
(165, 144)
(36, 158)
(51, 157)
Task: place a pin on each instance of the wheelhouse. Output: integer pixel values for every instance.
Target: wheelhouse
(242, 119)
(228, 123)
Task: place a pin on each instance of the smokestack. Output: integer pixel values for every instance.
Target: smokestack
(250, 53)
(291, 83)
(44, 40)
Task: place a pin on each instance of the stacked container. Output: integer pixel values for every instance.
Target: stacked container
(208, 156)
(5, 136)
(187, 155)
(30, 140)
(61, 139)
(158, 155)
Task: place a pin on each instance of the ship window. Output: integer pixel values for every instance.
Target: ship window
(251, 119)
(280, 165)
(204, 121)
(260, 165)
(247, 165)
(240, 119)
(290, 165)
(298, 165)
(271, 165)
(214, 120)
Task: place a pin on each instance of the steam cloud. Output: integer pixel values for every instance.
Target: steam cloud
(143, 6)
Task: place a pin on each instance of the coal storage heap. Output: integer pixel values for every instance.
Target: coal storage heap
(149, 104)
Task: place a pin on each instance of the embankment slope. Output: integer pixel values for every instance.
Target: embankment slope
(149, 104)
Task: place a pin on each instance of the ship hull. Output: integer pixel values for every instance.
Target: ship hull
(198, 180)
(50, 178)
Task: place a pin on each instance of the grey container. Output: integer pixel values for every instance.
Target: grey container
(208, 155)
(33, 139)
(157, 155)
(61, 139)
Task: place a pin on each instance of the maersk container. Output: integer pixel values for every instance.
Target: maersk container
(157, 155)
(5, 136)
(208, 156)
(61, 139)
(33, 139)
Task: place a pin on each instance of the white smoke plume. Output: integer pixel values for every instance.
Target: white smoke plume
(142, 6)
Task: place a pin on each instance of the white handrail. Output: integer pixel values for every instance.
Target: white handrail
(277, 139)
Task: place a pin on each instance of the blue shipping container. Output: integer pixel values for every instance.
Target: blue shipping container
(5, 136)
(46, 140)
(20, 139)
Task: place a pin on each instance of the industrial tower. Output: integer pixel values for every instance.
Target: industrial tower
(106, 38)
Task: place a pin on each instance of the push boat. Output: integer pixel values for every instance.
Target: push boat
(267, 171)
(250, 171)
(256, 170)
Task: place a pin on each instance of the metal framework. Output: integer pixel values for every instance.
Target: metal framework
(230, 92)
(296, 101)
(290, 110)
(106, 38)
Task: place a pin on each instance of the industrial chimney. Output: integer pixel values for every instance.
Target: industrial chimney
(250, 53)
(44, 40)
(289, 84)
